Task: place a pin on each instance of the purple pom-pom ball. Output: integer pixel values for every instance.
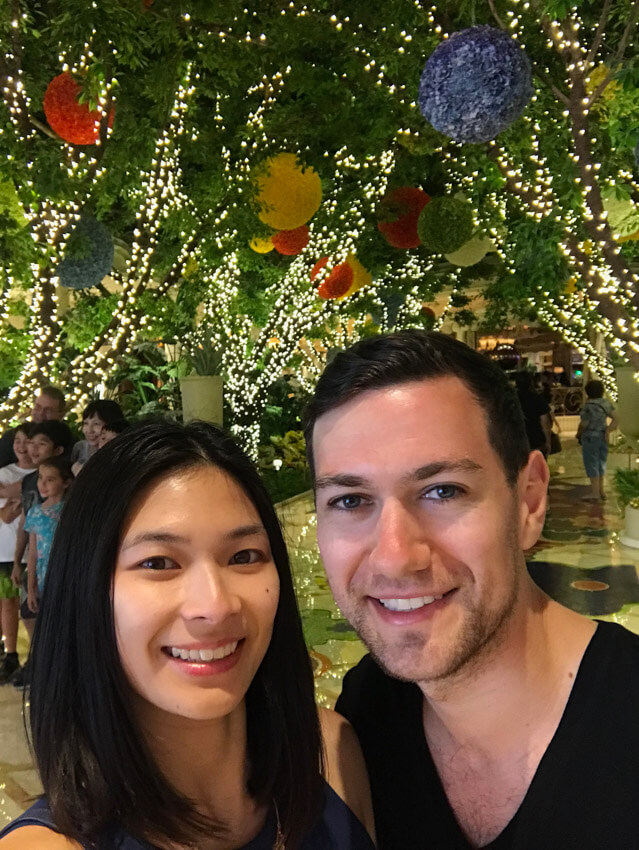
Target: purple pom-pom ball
(475, 84)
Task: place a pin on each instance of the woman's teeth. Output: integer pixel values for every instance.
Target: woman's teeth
(204, 654)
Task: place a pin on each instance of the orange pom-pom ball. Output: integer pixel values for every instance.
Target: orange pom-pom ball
(291, 242)
(72, 121)
(317, 268)
(288, 195)
(403, 207)
(337, 283)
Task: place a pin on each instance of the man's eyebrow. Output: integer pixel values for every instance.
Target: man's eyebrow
(340, 480)
(168, 537)
(420, 474)
(437, 467)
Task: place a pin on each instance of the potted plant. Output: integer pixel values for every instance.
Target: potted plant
(627, 405)
(627, 487)
(202, 389)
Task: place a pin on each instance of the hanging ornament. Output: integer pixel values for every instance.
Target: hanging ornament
(288, 194)
(445, 224)
(594, 80)
(623, 216)
(471, 252)
(72, 121)
(401, 209)
(317, 268)
(260, 245)
(291, 242)
(337, 283)
(475, 84)
(88, 255)
(361, 276)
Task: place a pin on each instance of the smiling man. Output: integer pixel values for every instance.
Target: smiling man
(489, 715)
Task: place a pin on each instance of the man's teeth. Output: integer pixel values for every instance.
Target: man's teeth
(204, 654)
(408, 604)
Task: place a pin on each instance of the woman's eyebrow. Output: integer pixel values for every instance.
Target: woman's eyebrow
(154, 537)
(168, 536)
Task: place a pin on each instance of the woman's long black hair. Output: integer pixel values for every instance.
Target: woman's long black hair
(96, 770)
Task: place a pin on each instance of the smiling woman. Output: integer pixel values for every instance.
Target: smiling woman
(172, 695)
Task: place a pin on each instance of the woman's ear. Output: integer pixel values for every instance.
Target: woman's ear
(532, 487)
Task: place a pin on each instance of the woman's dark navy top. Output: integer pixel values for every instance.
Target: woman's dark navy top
(337, 829)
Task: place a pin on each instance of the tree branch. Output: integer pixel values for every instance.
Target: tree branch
(496, 15)
(625, 38)
(44, 129)
(599, 33)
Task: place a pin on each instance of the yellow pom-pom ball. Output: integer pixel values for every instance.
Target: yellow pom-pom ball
(288, 195)
(361, 276)
(471, 252)
(594, 80)
(261, 246)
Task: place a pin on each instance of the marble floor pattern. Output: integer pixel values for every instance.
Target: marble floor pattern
(578, 560)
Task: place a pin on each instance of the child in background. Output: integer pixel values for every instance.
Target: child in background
(54, 478)
(94, 417)
(47, 439)
(111, 431)
(10, 510)
(593, 435)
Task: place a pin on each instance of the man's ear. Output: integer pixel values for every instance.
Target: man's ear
(59, 450)
(532, 487)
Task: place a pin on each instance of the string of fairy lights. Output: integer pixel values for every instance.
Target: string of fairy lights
(294, 310)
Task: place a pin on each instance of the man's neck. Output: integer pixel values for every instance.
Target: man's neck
(524, 676)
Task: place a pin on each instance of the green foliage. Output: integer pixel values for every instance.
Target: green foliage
(286, 451)
(627, 486)
(146, 383)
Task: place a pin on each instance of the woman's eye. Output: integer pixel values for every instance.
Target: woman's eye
(443, 492)
(246, 556)
(347, 503)
(158, 564)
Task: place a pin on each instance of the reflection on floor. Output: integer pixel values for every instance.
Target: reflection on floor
(579, 561)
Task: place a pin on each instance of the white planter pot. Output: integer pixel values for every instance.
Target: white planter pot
(628, 402)
(630, 536)
(202, 397)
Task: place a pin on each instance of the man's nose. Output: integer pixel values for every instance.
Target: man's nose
(401, 544)
(207, 594)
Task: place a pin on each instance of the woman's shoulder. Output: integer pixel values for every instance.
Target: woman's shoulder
(37, 838)
(345, 767)
(34, 830)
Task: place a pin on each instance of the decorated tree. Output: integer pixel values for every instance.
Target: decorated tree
(212, 159)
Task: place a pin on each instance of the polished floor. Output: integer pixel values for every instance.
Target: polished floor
(579, 561)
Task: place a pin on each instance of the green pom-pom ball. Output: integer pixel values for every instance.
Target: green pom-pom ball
(445, 224)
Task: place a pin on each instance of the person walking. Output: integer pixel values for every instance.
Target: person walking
(597, 420)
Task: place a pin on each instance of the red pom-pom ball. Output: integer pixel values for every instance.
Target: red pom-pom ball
(317, 268)
(72, 121)
(337, 283)
(404, 206)
(291, 242)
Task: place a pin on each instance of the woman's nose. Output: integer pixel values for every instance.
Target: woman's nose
(207, 594)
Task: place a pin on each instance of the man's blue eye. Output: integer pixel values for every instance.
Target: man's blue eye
(442, 492)
(347, 503)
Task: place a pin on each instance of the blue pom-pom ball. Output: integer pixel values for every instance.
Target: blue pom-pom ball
(475, 84)
(94, 244)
